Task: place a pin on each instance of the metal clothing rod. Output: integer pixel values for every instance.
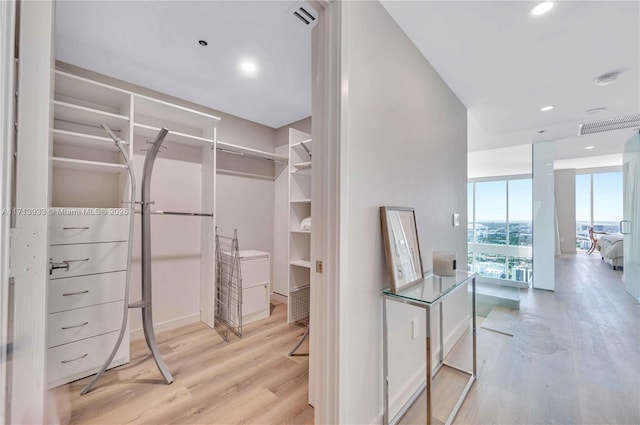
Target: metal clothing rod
(190, 214)
(249, 155)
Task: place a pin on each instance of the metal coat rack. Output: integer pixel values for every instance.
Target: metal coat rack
(146, 302)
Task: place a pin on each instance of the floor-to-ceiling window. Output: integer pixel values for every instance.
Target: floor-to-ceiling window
(500, 228)
(598, 205)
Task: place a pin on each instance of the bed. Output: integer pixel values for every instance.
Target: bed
(610, 248)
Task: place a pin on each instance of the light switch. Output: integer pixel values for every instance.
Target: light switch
(414, 328)
(456, 219)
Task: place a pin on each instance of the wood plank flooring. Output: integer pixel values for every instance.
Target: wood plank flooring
(251, 380)
(574, 357)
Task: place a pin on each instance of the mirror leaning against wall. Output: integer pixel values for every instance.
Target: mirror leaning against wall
(402, 249)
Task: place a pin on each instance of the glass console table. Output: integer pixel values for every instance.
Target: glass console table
(427, 293)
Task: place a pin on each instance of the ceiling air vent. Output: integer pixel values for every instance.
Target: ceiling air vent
(305, 14)
(618, 123)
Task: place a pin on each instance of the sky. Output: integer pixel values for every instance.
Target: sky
(607, 197)
(491, 199)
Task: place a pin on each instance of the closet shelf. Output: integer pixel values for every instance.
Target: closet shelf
(248, 152)
(299, 144)
(173, 136)
(72, 138)
(301, 231)
(301, 263)
(91, 91)
(87, 116)
(172, 113)
(301, 201)
(79, 164)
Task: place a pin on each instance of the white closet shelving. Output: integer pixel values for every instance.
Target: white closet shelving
(86, 301)
(232, 157)
(299, 244)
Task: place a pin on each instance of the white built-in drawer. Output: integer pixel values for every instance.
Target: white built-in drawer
(85, 228)
(84, 291)
(73, 325)
(89, 258)
(255, 268)
(78, 359)
(255, 299)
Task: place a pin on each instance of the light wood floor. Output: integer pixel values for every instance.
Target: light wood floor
(246, 381)
(574, 357)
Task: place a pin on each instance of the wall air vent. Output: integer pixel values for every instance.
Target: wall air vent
(306, 14)
(618, 123)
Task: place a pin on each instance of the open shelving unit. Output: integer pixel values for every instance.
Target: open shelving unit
(299, 244)
(271, 164)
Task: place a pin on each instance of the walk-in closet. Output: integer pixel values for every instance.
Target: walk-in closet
(180, 228)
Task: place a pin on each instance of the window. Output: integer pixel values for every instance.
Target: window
(598, 205)
(500, 229)
(491, 212)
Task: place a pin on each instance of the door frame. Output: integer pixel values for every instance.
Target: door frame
(7, 132)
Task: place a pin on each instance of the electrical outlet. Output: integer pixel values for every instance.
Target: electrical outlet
(414, 328)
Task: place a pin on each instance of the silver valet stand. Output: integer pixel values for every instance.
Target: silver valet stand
(145, 303)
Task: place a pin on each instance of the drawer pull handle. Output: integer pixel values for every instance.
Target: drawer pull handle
(55, 266)
(75, 228)
(76, 359)
(64, 328)
(68, 294)
(75, 261)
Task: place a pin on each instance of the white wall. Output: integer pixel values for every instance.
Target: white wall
(282, 134)
(565, 191)
(403, 143)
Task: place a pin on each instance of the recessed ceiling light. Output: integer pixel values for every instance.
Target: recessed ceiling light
(547, 108)
(606, 79)
(595, 110)
(202, 43)
(590, 147)
(248, 67)
(542, 8)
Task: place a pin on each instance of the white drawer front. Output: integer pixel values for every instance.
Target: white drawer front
(84, 228)
(79, 359)
(73, 325)
(84, 291)
(89, 258)
(255, 271)
(255, 299)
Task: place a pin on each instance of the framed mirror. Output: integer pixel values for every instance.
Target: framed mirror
(402, 249)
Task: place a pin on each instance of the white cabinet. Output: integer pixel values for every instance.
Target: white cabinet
(88, 228)
(255, 267)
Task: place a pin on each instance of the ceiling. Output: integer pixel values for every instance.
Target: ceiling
(155, 44)
(505, 64)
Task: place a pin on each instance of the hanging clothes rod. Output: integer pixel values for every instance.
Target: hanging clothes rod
(188, 214)
(249, 155)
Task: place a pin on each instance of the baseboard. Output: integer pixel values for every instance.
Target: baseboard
(407, 391)
(280, 298)
(167, 325)
(419, 377)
